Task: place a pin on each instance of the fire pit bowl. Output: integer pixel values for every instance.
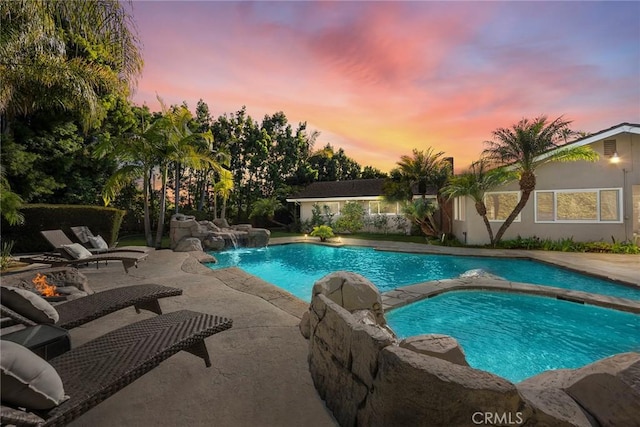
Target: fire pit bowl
(68, 282)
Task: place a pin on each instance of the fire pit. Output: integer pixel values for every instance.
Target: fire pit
(47, 290)
(54, 285)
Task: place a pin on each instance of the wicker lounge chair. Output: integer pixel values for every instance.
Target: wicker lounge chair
(88, 239)
(58, 239)
(98, 369)
(83, 310)
(128, 259)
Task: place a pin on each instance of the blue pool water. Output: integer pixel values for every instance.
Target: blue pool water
(517, 336)
(296, 267)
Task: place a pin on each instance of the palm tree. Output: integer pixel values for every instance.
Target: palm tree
(420, 168)
(474, 183)
(180, 145)
(65, 55)
(420, 212)
(527, 145)
(137, 154)
(425, 169)
(222, 188)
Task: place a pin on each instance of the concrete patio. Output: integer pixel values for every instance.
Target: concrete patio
(260, 374)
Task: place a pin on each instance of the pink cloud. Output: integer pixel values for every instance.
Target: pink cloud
(379, 79)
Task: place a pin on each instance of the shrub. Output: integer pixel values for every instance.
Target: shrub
(323, 232)
(351, 218)
(38, 217)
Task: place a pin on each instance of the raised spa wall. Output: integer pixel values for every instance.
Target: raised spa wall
(368, 377)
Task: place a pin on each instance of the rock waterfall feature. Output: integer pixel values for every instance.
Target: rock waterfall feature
(187, 235)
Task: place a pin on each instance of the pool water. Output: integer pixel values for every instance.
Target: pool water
(296, 267)
(517, 336)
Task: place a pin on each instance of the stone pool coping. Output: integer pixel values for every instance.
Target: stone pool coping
(404, 295)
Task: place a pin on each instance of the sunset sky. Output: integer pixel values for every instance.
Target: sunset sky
(379, 79)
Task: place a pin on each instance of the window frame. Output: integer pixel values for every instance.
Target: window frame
(330, 207)
(460, 208)
(378, 203)
(489, 193)
(598, 220)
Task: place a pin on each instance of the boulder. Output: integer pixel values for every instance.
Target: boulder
(607, 390)
(221, 222)
(180, 227)
(553, 407)
(188, 244)
(259, 237)
(305, 325)
(213, 243)
(441, 346)
(352, 292)
(416, 389)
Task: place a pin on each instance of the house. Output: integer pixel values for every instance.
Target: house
(582, 200)
(329, 197)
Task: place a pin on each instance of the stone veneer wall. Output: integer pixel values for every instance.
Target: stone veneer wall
(368, 378)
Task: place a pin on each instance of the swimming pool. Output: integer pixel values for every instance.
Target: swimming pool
(296, 267)
(517, 336)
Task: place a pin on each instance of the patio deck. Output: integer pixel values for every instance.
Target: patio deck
(260, 372)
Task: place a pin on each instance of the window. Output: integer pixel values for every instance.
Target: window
(589, 205)
(545, 206)
(459, 206)
(382, 207)
(500, 205)
(331, 208)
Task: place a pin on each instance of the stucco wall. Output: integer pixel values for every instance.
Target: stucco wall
(567, 176)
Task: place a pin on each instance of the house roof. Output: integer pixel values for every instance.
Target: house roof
(594, 137)
(344, 190)
(334, 189)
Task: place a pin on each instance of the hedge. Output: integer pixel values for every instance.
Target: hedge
(100, 220)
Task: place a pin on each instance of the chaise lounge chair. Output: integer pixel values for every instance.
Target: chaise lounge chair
(97, 243)
(98, 369)
(73, 257)
(83, 310)
(59, 240)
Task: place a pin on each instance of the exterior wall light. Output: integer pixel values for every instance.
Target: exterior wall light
(615, 158)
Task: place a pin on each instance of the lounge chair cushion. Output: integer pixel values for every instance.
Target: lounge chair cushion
(77, 251)
(28, 381)
(28, 304)
(98, 242)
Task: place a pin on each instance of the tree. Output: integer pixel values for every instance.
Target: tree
(55, 56)
(267, 208)
(137, 154)
(334, 165)
(420, 168)
(222, 188)
(369, 172)
(420, 212)
(524, 147)
(426, 170)
(474, 183)
(179, 145)
(10, 202)
(351, 217)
